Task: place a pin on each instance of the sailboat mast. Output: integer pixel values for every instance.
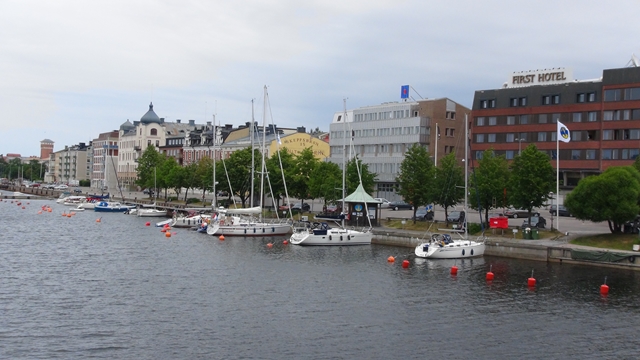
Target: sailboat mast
(213, 160)
(466, 171)
(263, 148)
(252, 157)
(344, 163)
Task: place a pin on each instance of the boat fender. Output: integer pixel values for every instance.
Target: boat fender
(632, 259)
(462, 252)
(330, 238)
(471, 252)
(340, 237)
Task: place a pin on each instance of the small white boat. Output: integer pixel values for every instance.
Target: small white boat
(241, 222)
(151, 212)
(189, 220)
(111, 206)
(73, 200)
(322, 234)
(441, 246)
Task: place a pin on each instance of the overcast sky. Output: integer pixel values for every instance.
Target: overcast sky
(70, 70)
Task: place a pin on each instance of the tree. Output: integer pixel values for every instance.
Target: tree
(611, 196)
(325, 182)
(416, 177)
(353, 178)
(305, 163)
(147, 162)
(532, 179)
(166, 175)
(277, 179)
(237, 174)
(448, 184)
(488, 183)
(204, 175)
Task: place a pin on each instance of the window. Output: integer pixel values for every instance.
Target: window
(590, 154)
(555, 99)
(509, 154)
(542, 136)
(635, 114)
(479, 155)
(492, 103)
(575, 154)
(592, 116)
(632, 94)
(581, 98)
(511, 120)
(634, 134)
(607, 115)
(158, 143)
(626, 114)
(576, 136)
(524, 119)
(577, 117)
(607, 135)
(523, 101)
(480, 121)
(546, 100)
(511, 137)
(513, 102)
(542, 119)
(555, 118)
(491, 138)
(612, 95)
(154, 132)
(591, 97)
(633, 153)
(479, 138)
(493, 121)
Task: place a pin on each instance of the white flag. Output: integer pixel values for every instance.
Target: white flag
(563, 133)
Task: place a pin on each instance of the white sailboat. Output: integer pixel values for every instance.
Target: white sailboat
(442, 246)
(247, 221)
(321, 234)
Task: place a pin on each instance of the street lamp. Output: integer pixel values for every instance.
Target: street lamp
(519, 145)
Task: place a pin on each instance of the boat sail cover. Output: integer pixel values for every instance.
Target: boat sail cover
(250, 211)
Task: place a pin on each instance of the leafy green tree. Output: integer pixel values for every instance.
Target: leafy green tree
(204, 175)
(353, 178)
(416, 178)
(325, 182)
(176, 178)
(275, 174)
(147, 162)
(448, 184)
(238, 174)
(305, 163)
(190, 179)
(532, 179)
(164, 174)
(611, 196)
(488, 183)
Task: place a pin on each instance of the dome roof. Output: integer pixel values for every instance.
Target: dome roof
(127, 125)
(150, 116)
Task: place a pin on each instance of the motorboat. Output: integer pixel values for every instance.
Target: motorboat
(190, 220)
(73, 200)
(111, 206)
(442, 246)
(150, 212)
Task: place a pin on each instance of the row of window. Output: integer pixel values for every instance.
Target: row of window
(406, 130)
(576, 154)
(542, 136)
(381, 115)
(589, 116)
(622, 94)
(550, 99)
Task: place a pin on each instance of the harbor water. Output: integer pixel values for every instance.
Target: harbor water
(73, 287)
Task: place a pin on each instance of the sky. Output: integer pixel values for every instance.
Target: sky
(72, 69)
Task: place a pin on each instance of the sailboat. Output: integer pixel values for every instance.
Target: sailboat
(442, 246)
(320, 233)
(248, 221)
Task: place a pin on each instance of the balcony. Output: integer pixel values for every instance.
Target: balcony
(136, 148)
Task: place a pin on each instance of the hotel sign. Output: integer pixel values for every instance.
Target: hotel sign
(540, 77)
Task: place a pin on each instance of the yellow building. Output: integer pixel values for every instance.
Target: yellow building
(299, 141)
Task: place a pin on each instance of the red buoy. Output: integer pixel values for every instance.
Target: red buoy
(454, 270)
(405, 264)
(531, 282)
(391, 259)
(285, 242)
(147, 224)
(490, 274)
(221, 237)
(604, 288)
(269, 245)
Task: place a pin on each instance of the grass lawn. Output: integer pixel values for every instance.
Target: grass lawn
(609, 241)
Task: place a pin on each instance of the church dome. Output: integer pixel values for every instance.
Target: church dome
(150, 116)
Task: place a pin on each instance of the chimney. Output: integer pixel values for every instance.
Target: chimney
(208, 123)
(302, 129)
(178, 121)
(192, 122)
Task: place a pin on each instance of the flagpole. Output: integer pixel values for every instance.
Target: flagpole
(557, 180)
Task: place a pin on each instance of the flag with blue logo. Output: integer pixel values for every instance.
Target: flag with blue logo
(563, 133)
(404, 92)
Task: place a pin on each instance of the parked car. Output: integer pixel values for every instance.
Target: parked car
(455, 216)
(518, 213)
(423, 214)
(301, 207)
(331, 208)
(561, 210)
(77, 191)
(400, 205)
(384, 203)
(222, 193)
(148, 192)
(35, 185)
(536, 221)
(61, 187)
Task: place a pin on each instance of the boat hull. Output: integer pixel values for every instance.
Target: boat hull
(456, 250)
(249, 229)
(331, 237)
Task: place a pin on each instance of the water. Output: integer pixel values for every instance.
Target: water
(77, 288)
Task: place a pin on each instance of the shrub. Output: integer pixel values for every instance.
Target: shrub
(193, 200)
(474, 228)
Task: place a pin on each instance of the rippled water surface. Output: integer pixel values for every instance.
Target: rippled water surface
(77, 288)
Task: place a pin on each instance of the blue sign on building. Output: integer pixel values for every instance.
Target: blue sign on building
(404, 92)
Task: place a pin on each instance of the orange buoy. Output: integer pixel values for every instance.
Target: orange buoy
(269, 245)
(98, 220)
(147, 224)
(39, 212)
(490, 274)
(221, 237)
(23, 208)
(604, 288)
(49, 209)
(69, 215)
(167, 234)
(285, 242)
(531, 281)
(391, 259)
(454, 270)
(405, 264)
(163, 230)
